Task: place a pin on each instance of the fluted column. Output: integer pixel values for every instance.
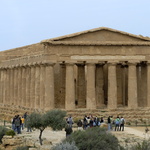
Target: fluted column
(112, 86)
(15, 85)
(23, 101)
(49, 86)
(148, 84)
(7, 85)
(90, 92)
(19, 86)
(4, 86)
(1, 85)
(42, 86)
(28, 80)
(132, 85)
(37, 86)
(70, 87)
(32, 86)
(11, 85)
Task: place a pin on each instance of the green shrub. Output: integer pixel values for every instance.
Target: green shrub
(93, 139)
(65, 146)
(3, 131)
(11, 132)
(144, 145)
(22, 148)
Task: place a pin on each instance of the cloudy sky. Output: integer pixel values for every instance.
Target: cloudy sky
(25, 22)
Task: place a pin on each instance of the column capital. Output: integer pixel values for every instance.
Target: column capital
(132, 63)
(49, 64)
(101, 63)
(112, 63)
(148, 63)
(80, 63)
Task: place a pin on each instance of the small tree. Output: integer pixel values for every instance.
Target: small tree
(52, 118)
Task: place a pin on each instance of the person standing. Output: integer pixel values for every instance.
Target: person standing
(68, 130)
(22, 122)
(109, 123)
(117, 123)
(79, 124)
(70, 121)
(18, 124)
(122, 122)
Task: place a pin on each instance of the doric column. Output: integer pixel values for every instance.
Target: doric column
(132, 85)
(37, 86)
(90, 92)
(23, 101)
(49, 86)
(11, 85)
(42, 86)
(15, 85)
(1, 85)
(70, 87)
(28, 80)
(19, 86)
(32, 86)
(148, 84)
(4, 86)
(112, 86)
(7, 85)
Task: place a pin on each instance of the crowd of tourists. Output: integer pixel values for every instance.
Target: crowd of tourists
(110, 123)
(20, 122)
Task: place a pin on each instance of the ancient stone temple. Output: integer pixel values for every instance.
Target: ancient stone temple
(100, 68)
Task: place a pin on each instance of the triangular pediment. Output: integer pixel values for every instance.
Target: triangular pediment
(102, 34)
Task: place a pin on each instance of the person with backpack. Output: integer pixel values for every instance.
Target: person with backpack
(122, 122)
(17, 123)
(68, 130)
(117, 124)
(70, 121)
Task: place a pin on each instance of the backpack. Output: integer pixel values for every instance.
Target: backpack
(17, 121)
(117, 121)
(122, 121)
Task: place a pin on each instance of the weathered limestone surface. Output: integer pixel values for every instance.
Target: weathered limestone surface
(132, 86)
(91, 101)
(40, 77)
(112, 86)
(70, 87)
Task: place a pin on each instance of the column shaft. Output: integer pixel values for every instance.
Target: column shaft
(1, 85)
(90, 93)
(28, 80)
(70, 87)
(49, 87)
(4, 86)
(23, 86)
(37, 87)
(32, 87)
(132, 86)
(148, 84)
(112, 86)
(42, 87)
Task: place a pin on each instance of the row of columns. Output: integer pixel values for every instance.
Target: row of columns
(112, 86)
(32, 85)
(28, 85)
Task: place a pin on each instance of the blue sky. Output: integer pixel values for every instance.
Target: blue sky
(25, 22)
